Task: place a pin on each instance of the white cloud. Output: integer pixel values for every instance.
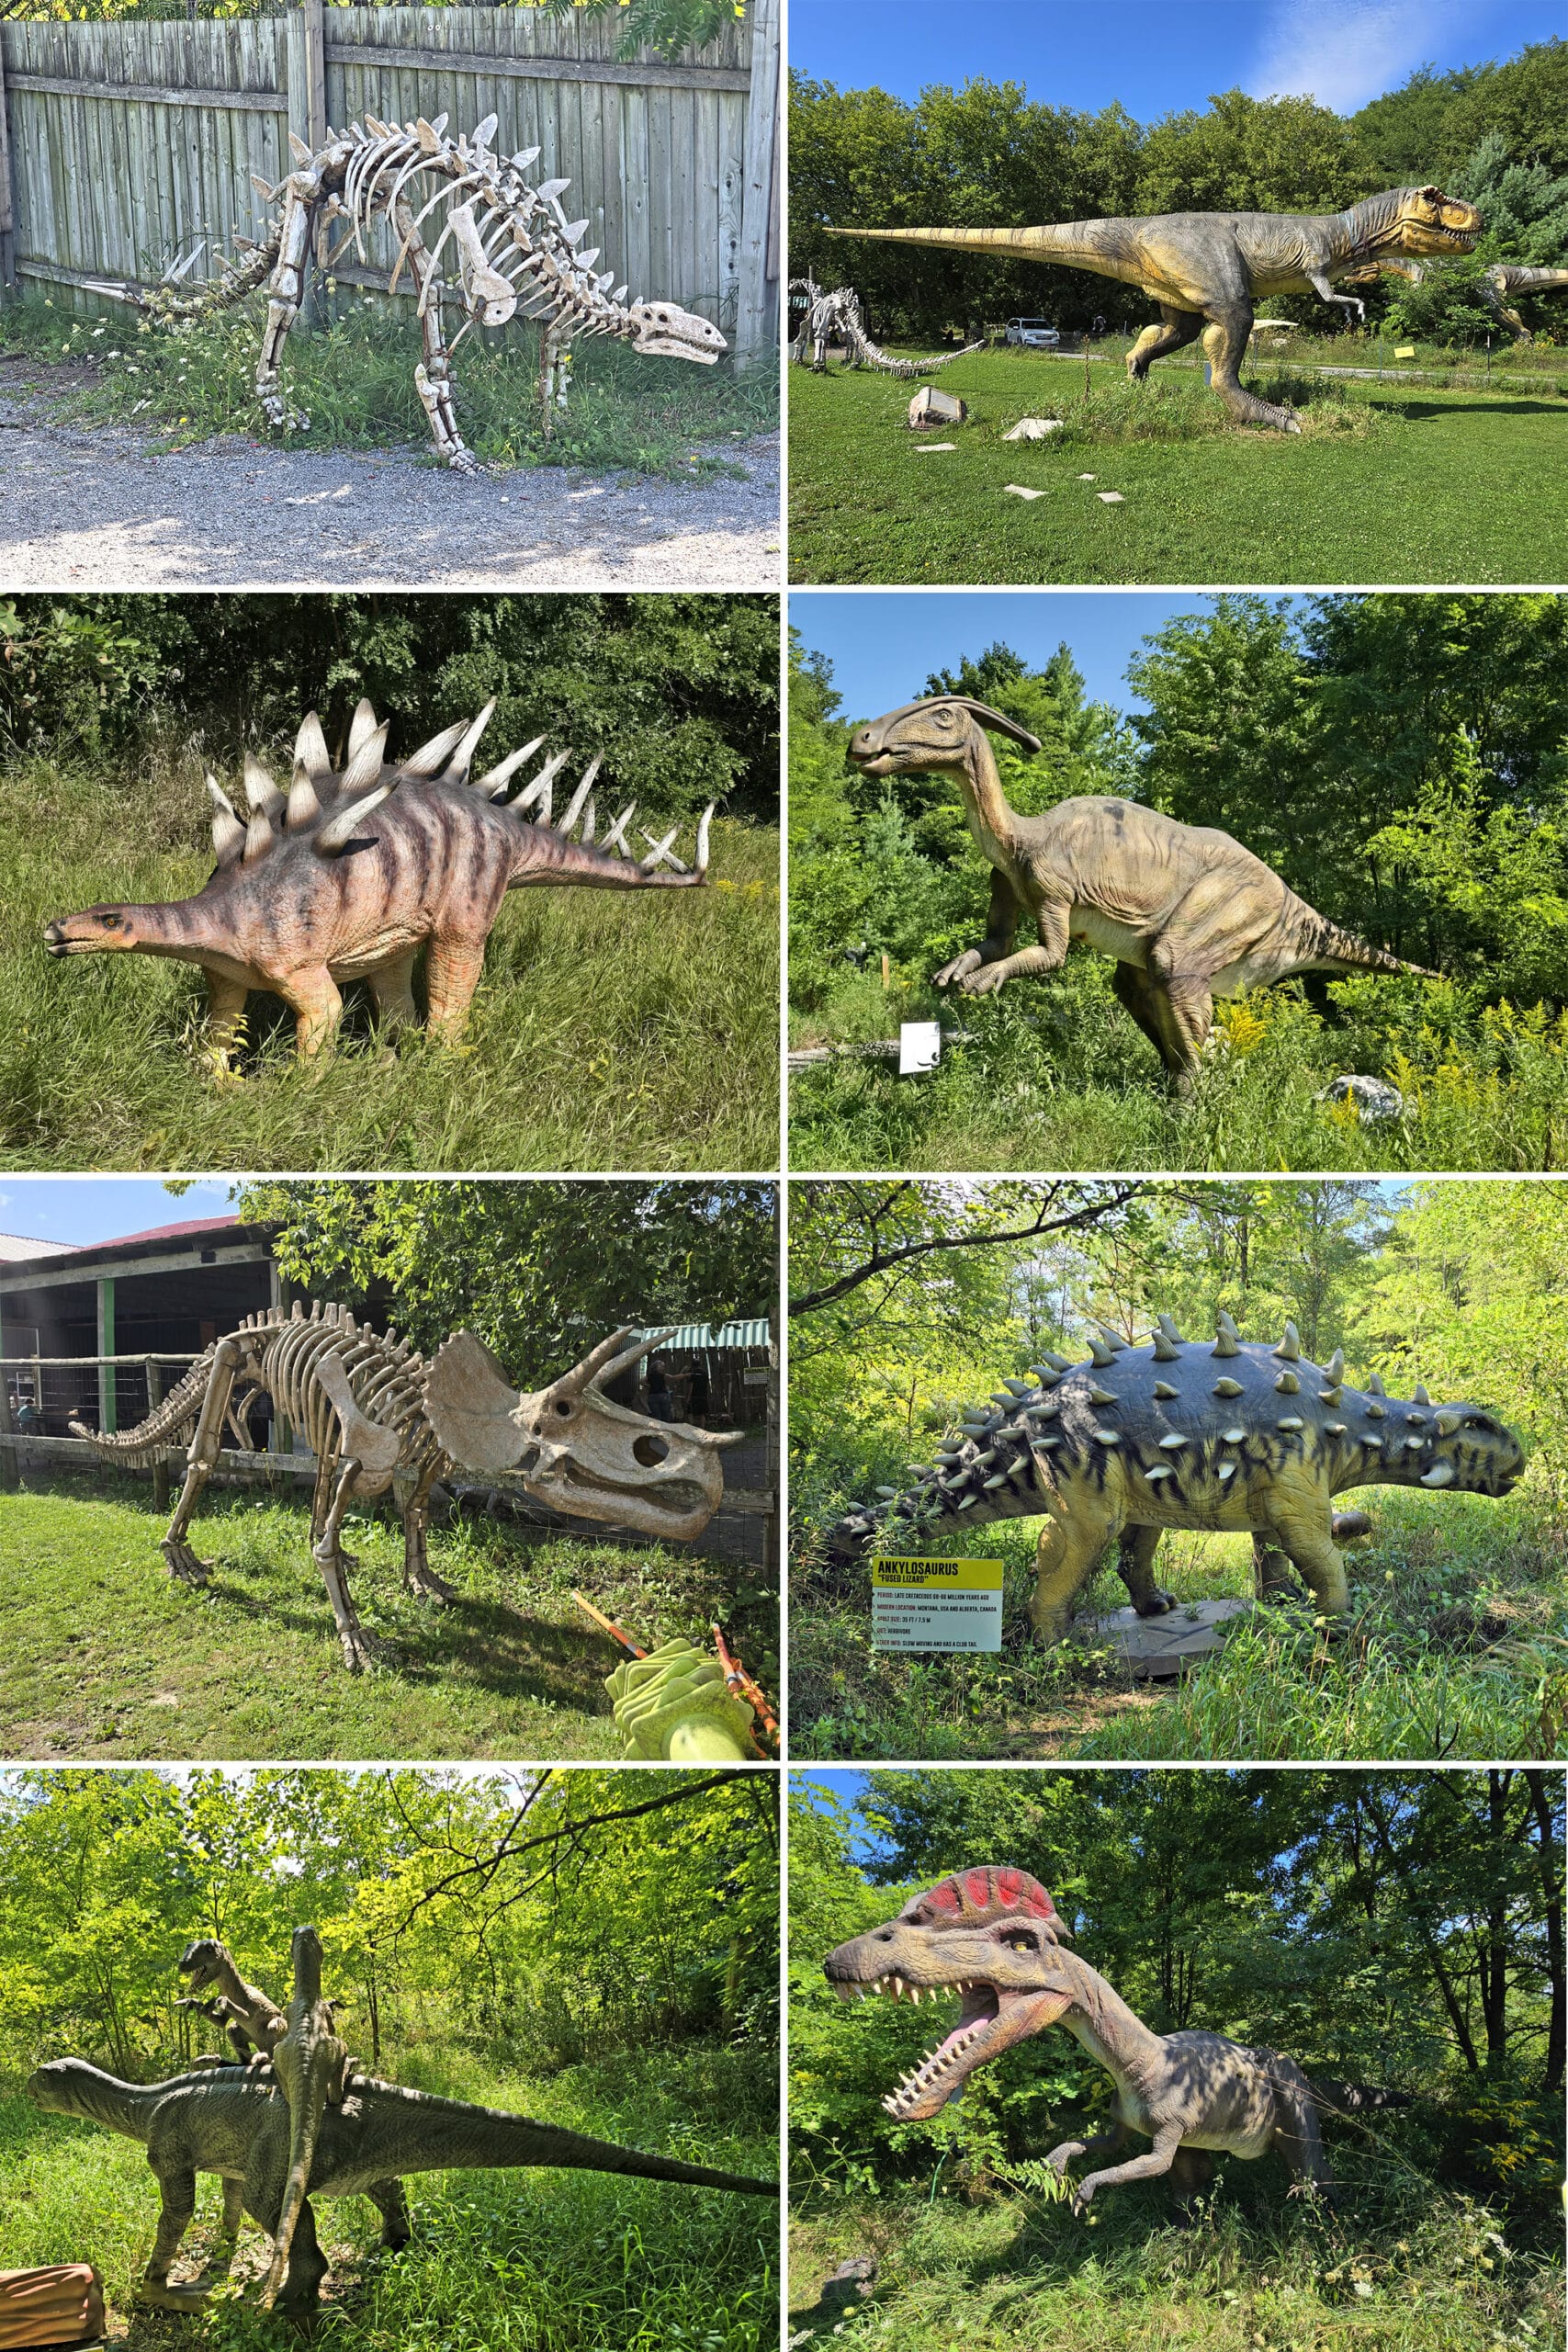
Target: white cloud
(1343, 52)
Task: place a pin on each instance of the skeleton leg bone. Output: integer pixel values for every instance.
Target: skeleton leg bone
(419, 1578)
(285, 295)
(431, 378)
(205, 1447)
(359, 1647)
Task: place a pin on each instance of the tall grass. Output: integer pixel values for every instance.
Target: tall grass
(607, 1033)
(354, 380)
(552, 2261)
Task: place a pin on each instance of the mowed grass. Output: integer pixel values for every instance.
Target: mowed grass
(106, 1657)
(1404, 2266)
(354, 379)
(1456, 1645)
(607, 1031)
(550, 2261)
(1403, 483)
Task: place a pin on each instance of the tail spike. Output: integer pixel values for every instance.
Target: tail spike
(495, 780)
(432, 757)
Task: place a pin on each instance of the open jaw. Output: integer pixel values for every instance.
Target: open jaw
(984, 2028)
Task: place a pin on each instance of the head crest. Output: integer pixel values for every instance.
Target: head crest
(973, 1898)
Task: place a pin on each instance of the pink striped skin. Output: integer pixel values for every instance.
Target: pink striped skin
(428, 868)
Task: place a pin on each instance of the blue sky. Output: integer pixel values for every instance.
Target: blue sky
(101, 1208)
(1157, 58)
(884, 648)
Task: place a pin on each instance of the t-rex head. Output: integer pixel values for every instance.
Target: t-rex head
(992, 1935)
(670, 333)
(1424, 220)
(574, 1447)
(938, 733)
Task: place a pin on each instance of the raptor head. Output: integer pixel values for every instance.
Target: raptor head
(1470, 1450)
(992, 1935)
(572, 1445)
(92, 930)
(670, 333)
(203, 1962)
(1424, 220)
(940, 732)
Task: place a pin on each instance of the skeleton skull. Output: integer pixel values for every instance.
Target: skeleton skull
(670, 333)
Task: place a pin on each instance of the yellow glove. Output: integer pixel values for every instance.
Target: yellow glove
(672, 1707)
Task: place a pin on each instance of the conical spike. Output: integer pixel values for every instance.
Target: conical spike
(1170, 1331)
(432, 757)
(574, 806)
(258, 838)
(1225, 1337)
(1164, 1352)
(456, 769)
(304, 805)
(539, 794)
(1164, 1392)
(1336, 1369)
(339, 830)
(1420, 1396)
(227, 833)
(496, 779)
(260, 790)
(1288, 1385)
(1375, 1386)
(365, 764)
(1289, 1347)
(311, 747)
(361, 727)
(1113, 1340)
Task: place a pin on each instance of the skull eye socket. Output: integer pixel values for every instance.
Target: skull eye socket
(651, 1451)
(563, 1406)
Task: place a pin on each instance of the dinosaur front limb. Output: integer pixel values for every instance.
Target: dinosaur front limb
(359, 1647)
(1306, 1538)
(1179, 328)
(419, 1578)
(1159, 2159)
(1224, 340)
(205, 1447)
(433, 377)
(285, 293)
(451, 975)
(1063, 1559)
(1135, 1567)
(177, 2191)
(1099, 2143)
(1001, 933)
(225, 1023)
(312, 997)
(1324, 293)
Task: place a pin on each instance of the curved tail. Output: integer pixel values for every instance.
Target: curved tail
(873, 357)
(1358, 2097)
(1037, 240)
(1334, 949)
(178, 1414)
(160, 302)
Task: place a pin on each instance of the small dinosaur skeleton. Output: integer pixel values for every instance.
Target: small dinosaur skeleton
(837, 314)
(351, 873)
(377, 1416)
(517, 256)
(994, 1937)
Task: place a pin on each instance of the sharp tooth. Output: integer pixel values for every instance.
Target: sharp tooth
(914, 1995)
(898, 1988)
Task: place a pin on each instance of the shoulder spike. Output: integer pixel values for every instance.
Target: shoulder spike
(304, 806)
(339, 830)
(227, 833)
(456, 768)
(1289, 1346)
(260, 789)
(361, 727)
(365, 764)
(311, 747)
(258, 838)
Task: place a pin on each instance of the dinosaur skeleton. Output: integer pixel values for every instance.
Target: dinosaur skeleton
(839, 314)
(517, 256)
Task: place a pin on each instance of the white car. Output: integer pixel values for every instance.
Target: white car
(1033, 335)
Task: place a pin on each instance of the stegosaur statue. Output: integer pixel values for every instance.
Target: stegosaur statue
(517, 254)
(237, 2121)
(1232, 1435)
(350, 874)
(1188, 915)
(1207, 270)
(378, 1419)
(995, 1937)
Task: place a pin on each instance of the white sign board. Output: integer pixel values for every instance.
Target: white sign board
(936, 1604)
(919, 1047)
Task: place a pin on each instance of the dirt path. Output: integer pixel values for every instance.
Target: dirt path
(97, 508)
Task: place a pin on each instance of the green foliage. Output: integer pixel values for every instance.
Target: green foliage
(1430, 126)
(667, 27)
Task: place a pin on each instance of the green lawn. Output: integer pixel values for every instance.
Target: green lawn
(500, 2261)
(1457, 1646)
(106, 1657)
(1407, 482)
(607, 1033)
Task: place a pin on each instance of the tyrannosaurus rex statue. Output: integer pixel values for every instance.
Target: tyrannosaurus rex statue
(1206, 270)
(1188, 912)
(993, 1935)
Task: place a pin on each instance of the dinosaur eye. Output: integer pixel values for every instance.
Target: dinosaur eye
(1021, 1940)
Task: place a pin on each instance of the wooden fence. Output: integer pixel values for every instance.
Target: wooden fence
(124, 144)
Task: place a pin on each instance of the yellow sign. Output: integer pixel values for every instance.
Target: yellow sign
(936, 1604)
(1405, 351)
(938, 1576)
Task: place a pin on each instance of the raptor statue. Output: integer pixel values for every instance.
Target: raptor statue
(378, 1419)
(994, 1937)
(352, 872)
(1231, 1435)
(1208, 270)
(835, 315)
(1188, 915)
(242, 2123)
(516, 253)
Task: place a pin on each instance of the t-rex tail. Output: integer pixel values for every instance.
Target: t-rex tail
(1333, 948)
(1356, 2097)
(307, 2104)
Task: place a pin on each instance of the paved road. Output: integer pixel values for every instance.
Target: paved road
(98, 509)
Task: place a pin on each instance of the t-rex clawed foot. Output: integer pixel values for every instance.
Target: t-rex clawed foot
(957, 972)
(1156, 1603)
(184, 1566)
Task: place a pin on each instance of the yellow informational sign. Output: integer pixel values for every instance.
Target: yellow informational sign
(936, 1604)
(1405, 351)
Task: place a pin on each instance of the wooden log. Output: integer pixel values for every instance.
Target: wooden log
(149, 94)
(543, 69)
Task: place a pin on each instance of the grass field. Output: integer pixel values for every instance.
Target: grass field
(1407, 482)
(500, 2261)
(1404, 2266)
(354, 380)
(607, 1033)
(1457, 1646)
(107, 1659)
(1054, 1074)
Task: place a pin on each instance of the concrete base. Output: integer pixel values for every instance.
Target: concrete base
(1159, 1647)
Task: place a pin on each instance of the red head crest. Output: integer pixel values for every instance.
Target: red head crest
(974, 1898)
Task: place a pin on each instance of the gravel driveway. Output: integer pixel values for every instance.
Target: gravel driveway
(97, 508)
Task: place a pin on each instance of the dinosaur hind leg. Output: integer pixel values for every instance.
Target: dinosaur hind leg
(225, 1023)
(1184, 1007)
(391, 2203)
(1066, 1551)
(1192, 2170)
(433, 377)
(1296, 2134)
(451, 975)
(419, 1578)
(1224, 340)
(359, 1647)
(1179, 328)
(205, 1447)
(285, 295)
(1135, 1567)
(308, 2266)
(1132, 991)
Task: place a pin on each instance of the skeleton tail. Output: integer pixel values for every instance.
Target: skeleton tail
(179, 1412)
(873, 358)
(160, 303)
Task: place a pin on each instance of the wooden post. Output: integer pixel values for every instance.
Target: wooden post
(756, 322)
(774, 1472)
(109, 1403)
(307, 54)
(7, 185)
(10, 1457)
(161, 1459)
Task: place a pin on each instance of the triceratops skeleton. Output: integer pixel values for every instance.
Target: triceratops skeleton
(518, 256)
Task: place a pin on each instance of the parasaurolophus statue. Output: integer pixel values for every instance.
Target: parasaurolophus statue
(350, 874)
(993, 1936)
(241, 2122)
(517, 256)
(378, 1419)
(1233, 1435)
(1188, 915)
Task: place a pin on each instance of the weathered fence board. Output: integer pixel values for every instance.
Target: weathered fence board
(124, 144)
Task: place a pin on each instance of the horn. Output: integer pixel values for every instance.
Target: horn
(611, 1357)
(469, 1404)
(1449, 1421)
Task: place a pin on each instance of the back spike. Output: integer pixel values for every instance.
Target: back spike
(365, 763)
(432, 757)
(304, 803)
(361, 727)
(258, 838)
(1289, 1347)
(339, 830)
(311, 747)
(574, 805)
(260, 789)
(495, 780)
(456, 769)
(227, 833)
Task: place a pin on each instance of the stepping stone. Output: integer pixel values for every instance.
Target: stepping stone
(1159, 1647)
(1017, 490)
(1109, 497)
(934, 448)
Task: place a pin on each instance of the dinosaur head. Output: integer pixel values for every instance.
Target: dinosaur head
(990, 1935)
(94, 930)
(937, 733)
(574, 1446)
(1424, 220)
(203, 1962)
(667, 332)
(1467, 1449)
